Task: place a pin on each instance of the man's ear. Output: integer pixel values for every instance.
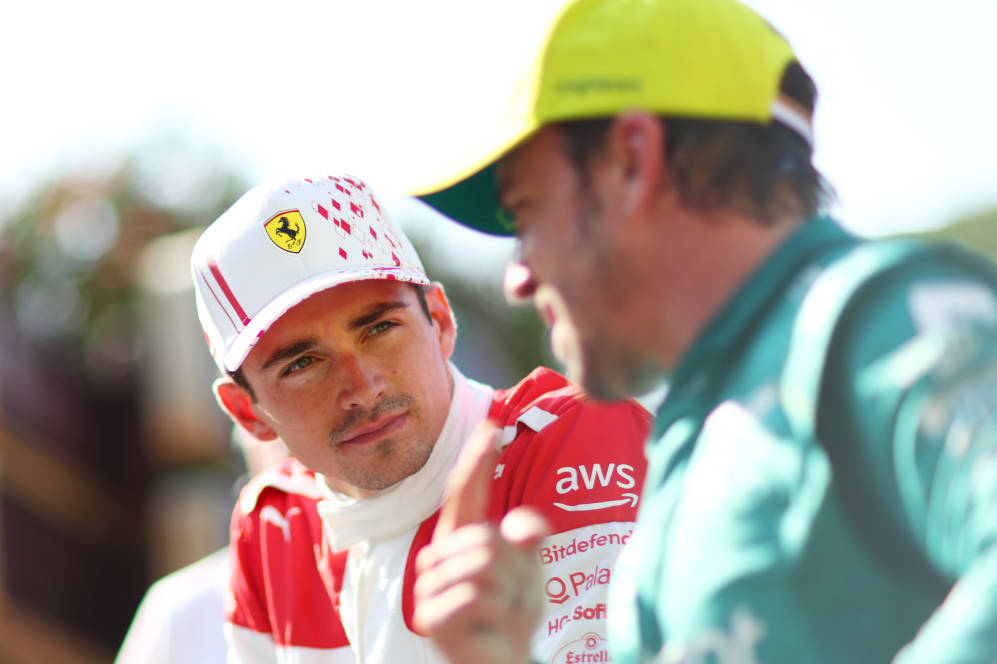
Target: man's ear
(442, 315)
(637, 145)
(235, 401)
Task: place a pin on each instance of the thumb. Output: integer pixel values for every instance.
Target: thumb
(470, 482)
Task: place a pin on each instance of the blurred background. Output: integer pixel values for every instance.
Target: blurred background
(128, 126)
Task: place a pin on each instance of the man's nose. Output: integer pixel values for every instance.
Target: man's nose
(361, 383)
(519, 284)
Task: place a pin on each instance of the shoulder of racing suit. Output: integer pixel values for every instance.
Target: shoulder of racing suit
(577, 460)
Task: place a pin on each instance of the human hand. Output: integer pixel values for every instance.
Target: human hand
(478, 593)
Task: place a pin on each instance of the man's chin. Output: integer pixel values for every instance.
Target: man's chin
(602, 390)
(612, 383)
(596, 384)
(386, 467)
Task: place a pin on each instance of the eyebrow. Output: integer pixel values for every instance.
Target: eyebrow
(373, 313)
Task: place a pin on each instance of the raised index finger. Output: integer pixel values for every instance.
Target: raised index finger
(469, 485)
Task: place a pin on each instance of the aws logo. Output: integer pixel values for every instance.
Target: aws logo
(572, 478)
(287, 230)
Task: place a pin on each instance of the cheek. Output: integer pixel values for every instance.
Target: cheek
(555, 240)
(540, 253)
(416, 367)
(564, 270)
(303, 409)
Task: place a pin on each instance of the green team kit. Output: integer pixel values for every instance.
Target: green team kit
(822, 479)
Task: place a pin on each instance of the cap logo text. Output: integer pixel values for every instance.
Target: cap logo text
(583, 86)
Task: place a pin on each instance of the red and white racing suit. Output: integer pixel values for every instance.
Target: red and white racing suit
(320, 577)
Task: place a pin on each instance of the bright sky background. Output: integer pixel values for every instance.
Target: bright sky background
(905, 124)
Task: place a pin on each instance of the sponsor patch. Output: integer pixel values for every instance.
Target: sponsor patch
(595, 477)
(272, 515)
(580, 612)
(287, 230)
(557, 552)
(559, 590)
(590, 648)
(735, 645)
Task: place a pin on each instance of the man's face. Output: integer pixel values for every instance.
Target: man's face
(354, 380)
(578, 267)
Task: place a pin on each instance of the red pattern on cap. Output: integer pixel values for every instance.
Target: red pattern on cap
(359, 186)
(213, 267)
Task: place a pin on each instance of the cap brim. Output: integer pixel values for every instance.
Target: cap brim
(465, 189)
(280, 305)
(473, 202)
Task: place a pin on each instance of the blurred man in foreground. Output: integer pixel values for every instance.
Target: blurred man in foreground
(180, 616)
(822, 480)
(331, 336)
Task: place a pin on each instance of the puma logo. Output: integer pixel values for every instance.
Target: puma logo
(272, 515)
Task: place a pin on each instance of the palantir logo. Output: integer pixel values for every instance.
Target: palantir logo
(557, 590)
(560, 591)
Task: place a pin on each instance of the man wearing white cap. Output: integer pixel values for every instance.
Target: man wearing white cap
(330, 335)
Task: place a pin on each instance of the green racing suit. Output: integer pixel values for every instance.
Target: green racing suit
(822, 479)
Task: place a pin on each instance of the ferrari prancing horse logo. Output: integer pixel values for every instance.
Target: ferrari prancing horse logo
(287, 230)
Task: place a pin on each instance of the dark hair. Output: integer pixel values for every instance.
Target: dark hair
(761, 170)
(420, 295)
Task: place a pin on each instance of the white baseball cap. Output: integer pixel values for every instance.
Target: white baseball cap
(284, 241)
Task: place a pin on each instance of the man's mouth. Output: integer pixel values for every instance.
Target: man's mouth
(376, 430)
(518, 284)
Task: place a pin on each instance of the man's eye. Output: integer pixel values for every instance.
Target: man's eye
(381, 327)
(297, 365)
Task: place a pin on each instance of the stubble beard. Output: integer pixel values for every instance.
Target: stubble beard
(392, 459)
(610, 368)
(609, 376)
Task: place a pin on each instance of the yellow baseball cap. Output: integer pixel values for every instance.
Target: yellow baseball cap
(694, 58)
